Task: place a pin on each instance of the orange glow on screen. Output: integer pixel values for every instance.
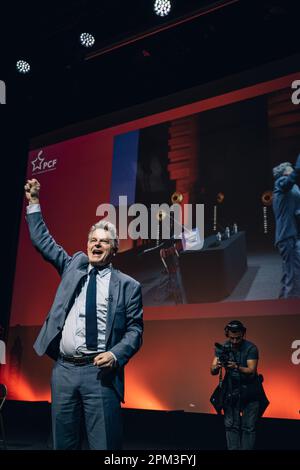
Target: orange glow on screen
(19, 389)
(283, 392)
(138, 395)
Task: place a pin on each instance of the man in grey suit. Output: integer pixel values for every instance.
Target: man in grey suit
(286, 207)
(94, 327)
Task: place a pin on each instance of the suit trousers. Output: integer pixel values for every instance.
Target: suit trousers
(80, 396)
(289, 250)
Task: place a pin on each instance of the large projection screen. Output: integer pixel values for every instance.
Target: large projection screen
(234, 139)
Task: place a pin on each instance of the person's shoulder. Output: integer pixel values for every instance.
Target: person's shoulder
(125, 278)
(78, 260)
(79, 254)
(249, 346)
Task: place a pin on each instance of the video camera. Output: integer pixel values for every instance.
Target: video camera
(225, 353)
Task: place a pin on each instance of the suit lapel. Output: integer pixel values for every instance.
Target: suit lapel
(80, 272)
(113, 294)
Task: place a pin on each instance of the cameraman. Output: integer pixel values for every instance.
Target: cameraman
(241, 395)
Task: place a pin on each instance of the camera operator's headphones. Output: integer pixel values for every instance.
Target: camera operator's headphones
(234, 326)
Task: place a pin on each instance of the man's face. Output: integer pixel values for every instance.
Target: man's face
(235, 338)
(99, 248)
(288, 171)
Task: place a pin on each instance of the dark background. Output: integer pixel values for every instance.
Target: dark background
(233, 157)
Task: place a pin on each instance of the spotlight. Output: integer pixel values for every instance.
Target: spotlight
(87, 39)
(22, 66)
(162, 7)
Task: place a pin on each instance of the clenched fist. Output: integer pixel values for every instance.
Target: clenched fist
(32, 191)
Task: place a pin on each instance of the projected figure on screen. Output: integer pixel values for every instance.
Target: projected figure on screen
(2, 351)
(169, 256)
(170, 282)
(286, 205)
(94, 327)
(2, 347)
(240, 395)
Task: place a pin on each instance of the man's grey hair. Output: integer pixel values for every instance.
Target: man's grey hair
(111, 229)
(280, 169)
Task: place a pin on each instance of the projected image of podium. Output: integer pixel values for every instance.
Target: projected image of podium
(212, 273)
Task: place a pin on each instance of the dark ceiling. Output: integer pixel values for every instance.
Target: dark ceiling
(199, 42)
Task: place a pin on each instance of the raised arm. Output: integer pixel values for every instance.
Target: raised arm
(39, 233)
(285, 183)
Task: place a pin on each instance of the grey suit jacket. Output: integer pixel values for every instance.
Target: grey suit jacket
(124, 327)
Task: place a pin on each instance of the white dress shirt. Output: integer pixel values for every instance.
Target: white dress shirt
(73, 334)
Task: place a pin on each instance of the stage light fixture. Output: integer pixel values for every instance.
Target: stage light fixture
(162, 7)
(22, 66)
(87, 39)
